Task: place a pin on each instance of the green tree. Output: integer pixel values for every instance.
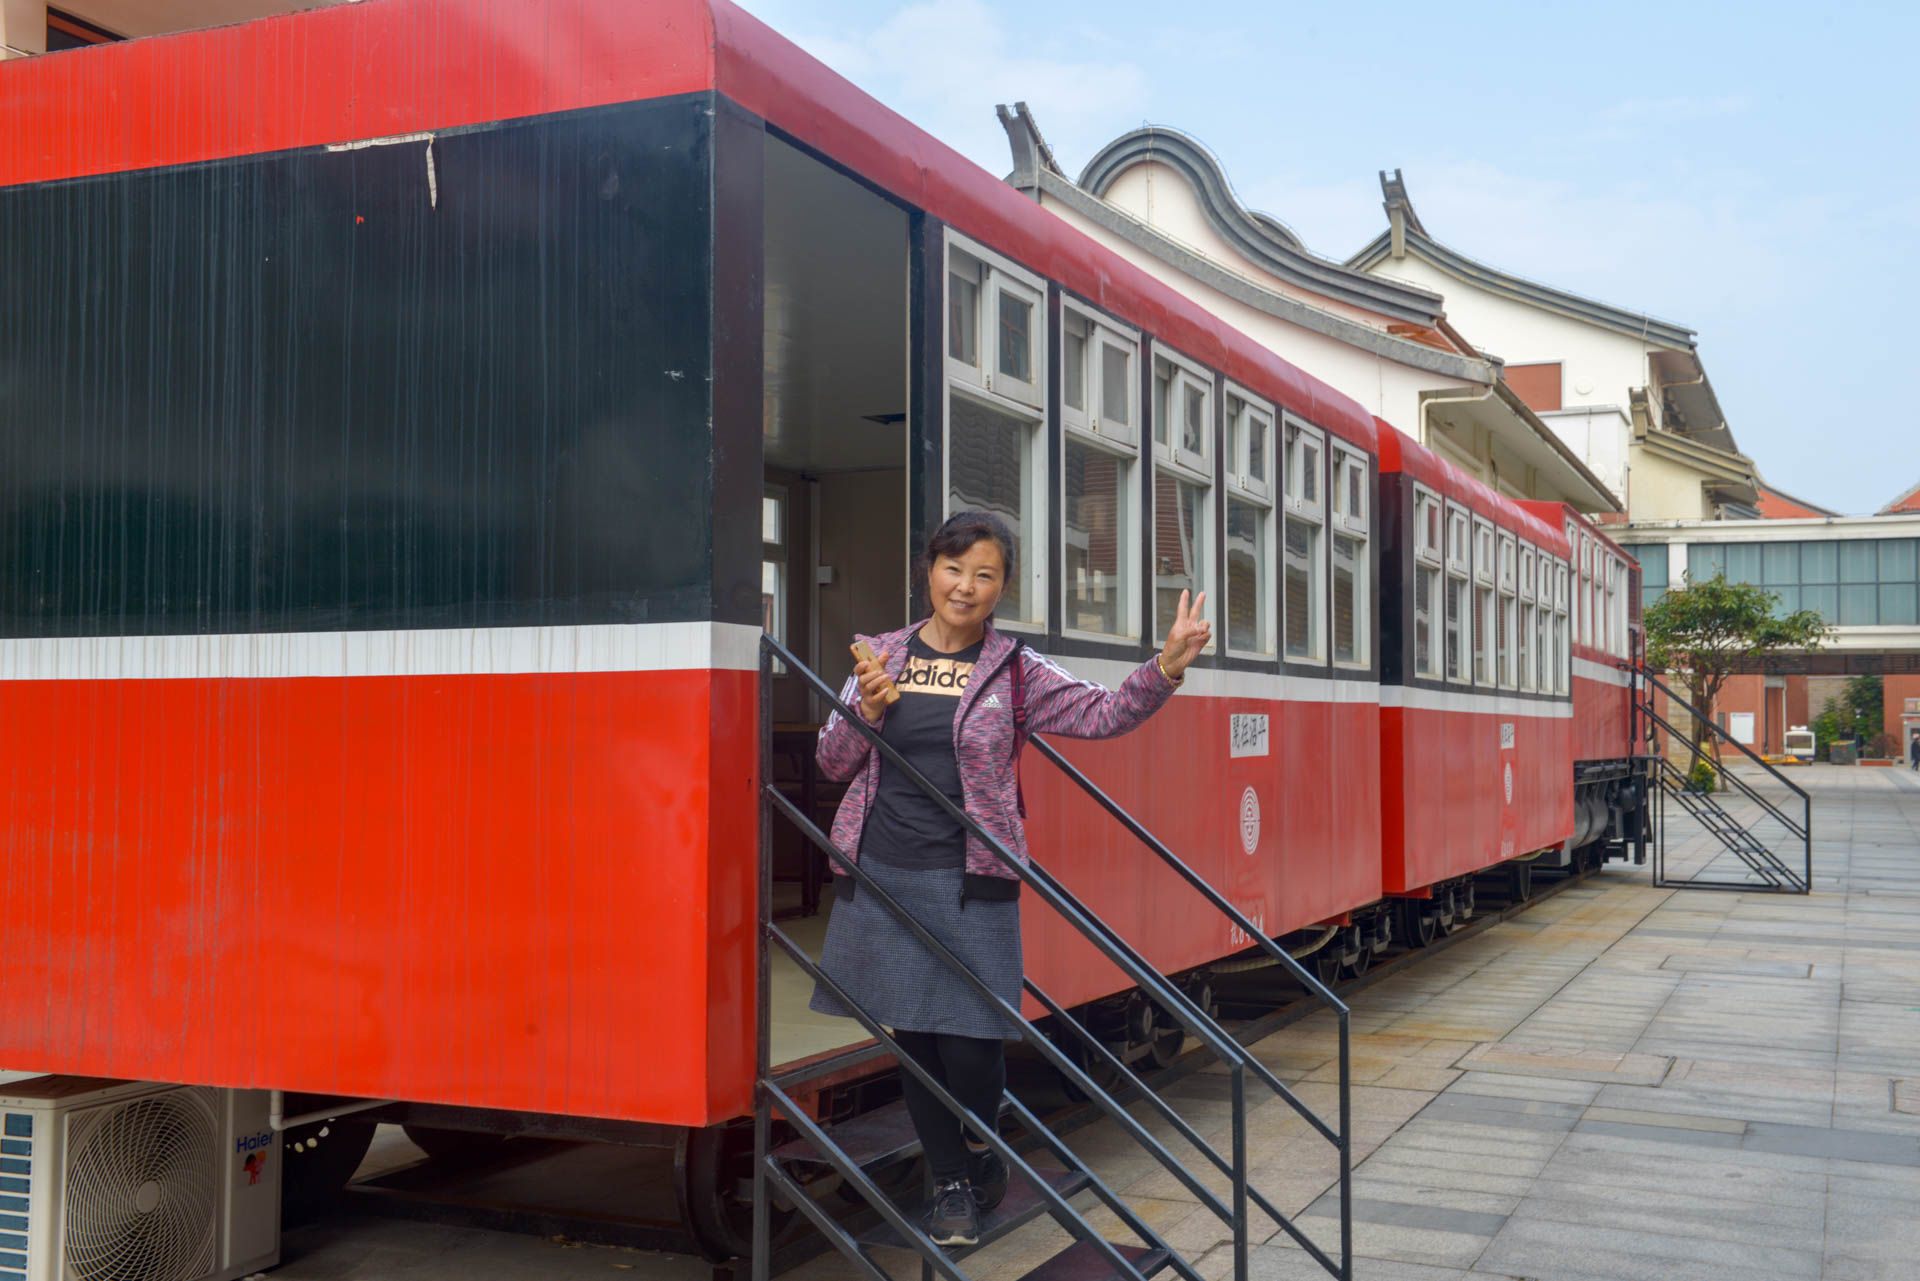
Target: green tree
(1706, 631)
(1860, 708)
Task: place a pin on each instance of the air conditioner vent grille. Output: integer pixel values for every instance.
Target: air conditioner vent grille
(142, 1186)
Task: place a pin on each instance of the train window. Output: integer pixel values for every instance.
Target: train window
(1507, 619)
(995, 369)
(1428, 615)
(1182, 414)
(1525, 656)
(1096, 376)
(1182, 484)
(1304, 533)
(1563, 639)
(1249, 445)
(1249, 550)
(1543, 648)
(1483, 603)
(773, 562)
(1099, 498)
(995, 326)
(1459, 618)
(1350, 561)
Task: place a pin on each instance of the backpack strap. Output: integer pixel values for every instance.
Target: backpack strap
(1018, 674)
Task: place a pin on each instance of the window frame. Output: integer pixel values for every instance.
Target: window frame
(1185, 371)
(1459, 569)
(1506, 595)
(1486, 624)
(1243, 488)
(1094, 419)
(1430, 565)
(1562, 619)
(1179, 467)
(1347, 465)
(1292, 430)
(1092, 429)
(1528, 662)
(1007, 395)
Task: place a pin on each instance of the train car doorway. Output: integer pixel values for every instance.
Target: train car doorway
(836, 543)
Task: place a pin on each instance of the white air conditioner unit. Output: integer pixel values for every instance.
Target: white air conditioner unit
(128, 1181)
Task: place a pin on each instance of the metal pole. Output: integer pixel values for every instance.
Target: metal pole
(1346, 1148)
(1240, 1226)
(763, 1014)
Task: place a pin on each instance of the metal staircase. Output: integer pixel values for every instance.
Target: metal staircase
(859, 1149)
(1760, 823)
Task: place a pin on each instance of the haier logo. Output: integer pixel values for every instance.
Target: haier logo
(253, 1142)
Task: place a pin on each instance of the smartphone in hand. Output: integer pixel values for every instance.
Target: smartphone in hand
(863, 653)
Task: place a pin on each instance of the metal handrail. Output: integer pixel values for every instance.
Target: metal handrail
(1184, 1011)
(1777, 874)
(1746, 789)
(1717, 732)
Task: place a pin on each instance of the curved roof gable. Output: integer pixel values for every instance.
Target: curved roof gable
(1262, 239)
(1633, 324)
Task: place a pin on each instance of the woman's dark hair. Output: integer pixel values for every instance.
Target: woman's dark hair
(960, 532)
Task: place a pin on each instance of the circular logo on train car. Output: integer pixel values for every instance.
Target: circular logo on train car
(1249, 821)
(1509, 782)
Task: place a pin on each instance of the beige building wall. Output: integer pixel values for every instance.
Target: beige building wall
(1382, 386)
(23, 27)
(1665, 490)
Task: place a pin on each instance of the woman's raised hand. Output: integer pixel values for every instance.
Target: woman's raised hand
(874, 684)
(1189, 635)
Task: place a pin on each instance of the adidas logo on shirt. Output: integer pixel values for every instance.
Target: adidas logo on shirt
(991, 700)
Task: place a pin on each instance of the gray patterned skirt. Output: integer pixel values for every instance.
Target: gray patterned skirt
(897, 981)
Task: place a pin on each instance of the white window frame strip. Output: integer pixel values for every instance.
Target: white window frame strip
(1341, 458)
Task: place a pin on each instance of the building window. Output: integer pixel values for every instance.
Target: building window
(1653, 572)
(1304, 534)
(1509, 614)
(1483, 603)
(995, 370)
(1537, 385)
(1459, 620)
(1428, 560)
(1249, 466)
(1351, 564)
(1182, 484)
(1099, 498)
(1852, 582)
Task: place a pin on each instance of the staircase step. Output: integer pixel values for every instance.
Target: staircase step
(1021, 1206)
(1081, 1262)
(872, 1138)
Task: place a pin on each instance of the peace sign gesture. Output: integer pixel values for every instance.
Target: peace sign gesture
(1189, 635)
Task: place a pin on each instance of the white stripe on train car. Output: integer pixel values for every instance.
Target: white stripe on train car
(458, 651)
(1461, 700)
(1211, 682)
(1587, 669)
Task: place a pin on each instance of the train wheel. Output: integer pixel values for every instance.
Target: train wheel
(1520, 884)
(713, 1181)
(1327, 964)
(1418, 926)
(317, 1160)
(1362, 959)
(455, 1147)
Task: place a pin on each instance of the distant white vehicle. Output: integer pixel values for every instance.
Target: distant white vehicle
(1799, 744)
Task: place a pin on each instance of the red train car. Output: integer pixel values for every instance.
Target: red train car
(1606, 639)
(387, 620)
(1476, 699)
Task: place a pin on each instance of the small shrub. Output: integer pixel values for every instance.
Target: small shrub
(1702, 777)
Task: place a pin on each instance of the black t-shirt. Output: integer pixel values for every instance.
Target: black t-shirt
(906, 827)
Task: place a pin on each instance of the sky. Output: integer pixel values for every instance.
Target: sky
(1747, 170)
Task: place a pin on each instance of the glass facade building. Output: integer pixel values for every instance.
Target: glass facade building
(1854, 582)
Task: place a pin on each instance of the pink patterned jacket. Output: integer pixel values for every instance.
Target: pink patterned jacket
(1056, 702)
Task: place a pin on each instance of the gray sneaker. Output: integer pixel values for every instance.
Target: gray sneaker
(953, 1218)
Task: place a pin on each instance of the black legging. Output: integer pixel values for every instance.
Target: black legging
(974, 1071)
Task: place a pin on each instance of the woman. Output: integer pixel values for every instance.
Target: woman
(954, 721)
